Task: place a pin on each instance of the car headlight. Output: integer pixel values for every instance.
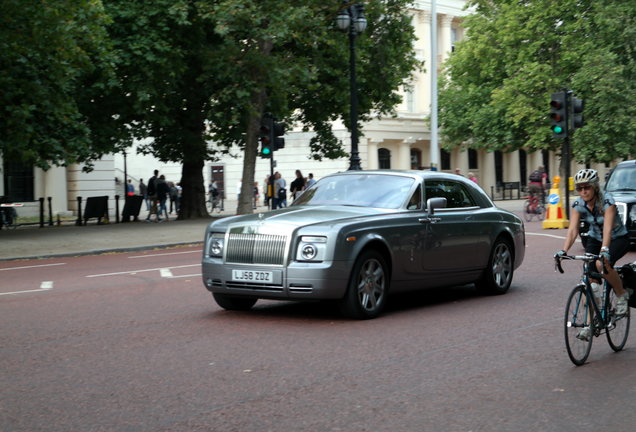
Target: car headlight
(632, 214)
(216, 243)
(311, 248)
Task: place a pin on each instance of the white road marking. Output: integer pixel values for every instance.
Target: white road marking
(44, 286)
(184, 276)
(33, 266)
(165, 273)
(139, 271)
(164, 254)
(548, 235)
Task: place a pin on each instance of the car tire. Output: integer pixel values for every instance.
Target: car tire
(497, 276)
(234, 303)
(368, 287)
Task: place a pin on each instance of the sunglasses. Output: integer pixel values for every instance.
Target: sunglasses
(581, 188)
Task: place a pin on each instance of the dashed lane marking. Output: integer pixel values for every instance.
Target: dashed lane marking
(44, 286)
(33, 266)
(139, 271)
(198, 251)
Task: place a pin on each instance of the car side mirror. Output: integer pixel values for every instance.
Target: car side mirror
(434, 203)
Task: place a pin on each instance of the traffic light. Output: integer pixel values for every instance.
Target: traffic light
(558, 114)
(279, 131)
(577, 113)
(266, 137)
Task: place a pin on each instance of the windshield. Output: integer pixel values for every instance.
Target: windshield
(622, 179)
(363, 190)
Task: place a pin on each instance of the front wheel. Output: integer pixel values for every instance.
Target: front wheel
(234, 303)
(617, 336)
(576, 324)
(498, 275)
(368, 287)
(527, 210)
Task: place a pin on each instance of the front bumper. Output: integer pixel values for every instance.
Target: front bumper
(297, 281)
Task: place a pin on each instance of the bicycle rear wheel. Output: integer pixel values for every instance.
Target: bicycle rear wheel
(576, 319)
(617, 336)
(540, 212)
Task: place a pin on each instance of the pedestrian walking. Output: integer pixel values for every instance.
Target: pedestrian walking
(143, 191)
(163, 191)
(152, 196)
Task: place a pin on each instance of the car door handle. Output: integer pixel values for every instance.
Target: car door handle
(431, 220)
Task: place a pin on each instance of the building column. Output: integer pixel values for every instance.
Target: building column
(372, 155)
(511, 166)
(403, 159)
(445, 36)
(459, 159)
(423, 33)
(52, 183)
(488, 178)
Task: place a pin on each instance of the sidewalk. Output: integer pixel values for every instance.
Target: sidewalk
(69, 240)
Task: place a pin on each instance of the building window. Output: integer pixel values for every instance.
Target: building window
(384, 158)
(410, 101)
(18, 181)
(445, 160)
(473, 159)
(416, 159)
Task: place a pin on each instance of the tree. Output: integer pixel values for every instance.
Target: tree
(496, 91)
(51, 54)
(195, 72)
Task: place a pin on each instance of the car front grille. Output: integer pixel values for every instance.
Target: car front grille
(256, 249)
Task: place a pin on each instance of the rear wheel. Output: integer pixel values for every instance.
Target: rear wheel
(541, 212)
(576, 320)
(368, 287)
(498, 275)
(617, 336)
(233, 303)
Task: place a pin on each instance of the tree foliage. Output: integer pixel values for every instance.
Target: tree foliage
(496, 92)
(195, 72)
(51, 53)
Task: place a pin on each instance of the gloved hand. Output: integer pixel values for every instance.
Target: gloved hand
(560, 254)
(605, 255)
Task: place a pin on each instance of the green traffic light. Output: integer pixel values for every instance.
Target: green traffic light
(558, 129)
(266, 151)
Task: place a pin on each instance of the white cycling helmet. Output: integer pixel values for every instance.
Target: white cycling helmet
(586, 176)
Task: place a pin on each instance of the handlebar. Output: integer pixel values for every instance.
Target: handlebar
(588, 257)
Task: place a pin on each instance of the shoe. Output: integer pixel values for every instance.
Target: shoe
(622, 305)
(597, 289)
(585, 334)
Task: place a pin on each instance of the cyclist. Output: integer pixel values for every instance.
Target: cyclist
(607, 235)
(537, 183)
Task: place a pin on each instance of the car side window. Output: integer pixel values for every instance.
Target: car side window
(456, 194)
(415, 203)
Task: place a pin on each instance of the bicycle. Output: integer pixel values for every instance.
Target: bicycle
(8, 215)
(533, 207)
(582, 310)
(214, 203)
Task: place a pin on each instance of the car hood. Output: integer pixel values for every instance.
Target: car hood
(624, 196)
(292, 217)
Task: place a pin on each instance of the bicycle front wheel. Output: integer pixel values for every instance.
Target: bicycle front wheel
(577, 320)
(527, 210)
(617, 336)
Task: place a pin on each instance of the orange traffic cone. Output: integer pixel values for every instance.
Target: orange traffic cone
(555, 217)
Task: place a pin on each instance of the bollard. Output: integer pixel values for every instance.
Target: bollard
(50, 212)
(78, 222)
(41, 199)
(116, 208)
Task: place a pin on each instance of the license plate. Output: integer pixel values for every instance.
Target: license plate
(252, 276)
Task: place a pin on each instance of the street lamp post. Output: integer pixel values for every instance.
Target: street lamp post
(352, 19)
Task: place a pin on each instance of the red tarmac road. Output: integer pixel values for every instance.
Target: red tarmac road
(133, 342)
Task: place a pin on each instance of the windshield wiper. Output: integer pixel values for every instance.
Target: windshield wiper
(622, 190)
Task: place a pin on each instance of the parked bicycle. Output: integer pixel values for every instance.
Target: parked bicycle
(589, 314)
(533, 207)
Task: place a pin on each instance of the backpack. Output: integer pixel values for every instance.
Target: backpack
(628, 275)
(282, 194)
(536, 176)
